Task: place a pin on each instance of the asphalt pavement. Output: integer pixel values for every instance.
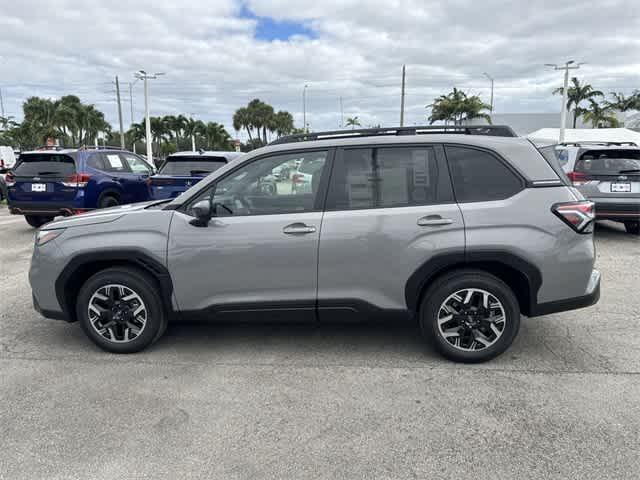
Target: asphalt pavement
(213, 401)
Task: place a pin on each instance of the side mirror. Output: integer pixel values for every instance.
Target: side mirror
(202, 211)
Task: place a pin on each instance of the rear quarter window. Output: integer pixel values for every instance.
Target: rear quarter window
(45, 164)
(479, 176)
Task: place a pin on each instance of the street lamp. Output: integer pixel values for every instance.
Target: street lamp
(491, 80)
(142, 75)
(570, 65)
(304, 108)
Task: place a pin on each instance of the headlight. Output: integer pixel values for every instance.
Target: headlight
(45, 236)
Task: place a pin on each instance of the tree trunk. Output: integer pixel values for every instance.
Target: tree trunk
(249, 133)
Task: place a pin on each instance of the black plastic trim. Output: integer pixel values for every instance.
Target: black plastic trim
(281, 311)
(134, 256)
(566, 304)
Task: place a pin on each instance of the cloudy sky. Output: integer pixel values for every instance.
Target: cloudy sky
(219, 54)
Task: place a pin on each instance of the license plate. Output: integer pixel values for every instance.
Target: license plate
(38, 187)
(620, 187)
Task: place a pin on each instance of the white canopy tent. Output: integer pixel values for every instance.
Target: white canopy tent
(549, 136)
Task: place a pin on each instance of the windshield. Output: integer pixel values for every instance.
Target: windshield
(45, 164)
(609, 162)
(191, 166)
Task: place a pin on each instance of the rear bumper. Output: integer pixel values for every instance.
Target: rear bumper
(44, 209)
(591, 297)
(617, 209)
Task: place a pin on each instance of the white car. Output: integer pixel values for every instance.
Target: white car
(7, 158)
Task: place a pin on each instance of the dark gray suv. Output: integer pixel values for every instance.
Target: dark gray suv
(463, 230)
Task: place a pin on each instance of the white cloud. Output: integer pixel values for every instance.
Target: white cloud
(214, 64)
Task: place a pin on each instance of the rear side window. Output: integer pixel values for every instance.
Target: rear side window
(383, 178)
(95, 161)
(609, 162)
(113, 163)
(45, 164)
(479, 176)
(191, 166)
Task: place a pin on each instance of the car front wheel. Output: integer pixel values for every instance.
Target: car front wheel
(120, 310)
(470, 316)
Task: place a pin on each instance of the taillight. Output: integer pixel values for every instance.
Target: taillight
(296, 178)
(10, 179)
(577, 178)
(79, 180)
(578, 215)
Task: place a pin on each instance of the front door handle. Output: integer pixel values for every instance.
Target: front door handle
(434, 221)
(298, 229)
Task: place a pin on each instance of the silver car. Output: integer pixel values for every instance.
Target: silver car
(607, 173)
(460, 230)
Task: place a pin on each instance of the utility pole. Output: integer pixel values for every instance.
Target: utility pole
(304, 108)
(341, 114)
(402, 98)
(491, 80)
(142, 75)
(570, 65)
(120, 113)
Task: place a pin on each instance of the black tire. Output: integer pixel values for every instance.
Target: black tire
(457, 280)
(36, 221)
(632, 226)
(107, 200)
(140, 283)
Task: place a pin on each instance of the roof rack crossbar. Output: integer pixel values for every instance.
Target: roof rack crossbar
(595, 142)
(489, 130)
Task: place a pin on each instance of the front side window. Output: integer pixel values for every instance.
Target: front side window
(384, 177)
(254, 189)
(479, 176)
(137, 165)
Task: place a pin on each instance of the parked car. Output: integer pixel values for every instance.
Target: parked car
(462, 232)
(182, 170)
(7, 157)
(606, 173)
(55, 181)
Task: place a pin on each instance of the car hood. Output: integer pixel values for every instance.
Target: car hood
(104, 215)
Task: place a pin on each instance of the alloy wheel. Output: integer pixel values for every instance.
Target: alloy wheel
(117, 313)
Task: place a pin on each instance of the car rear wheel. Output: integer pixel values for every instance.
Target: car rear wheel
(36, 221)
(107, 201)
(632, 227)
(120, 310)
(470, 316)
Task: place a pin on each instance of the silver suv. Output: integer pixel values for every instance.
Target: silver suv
(461, 230)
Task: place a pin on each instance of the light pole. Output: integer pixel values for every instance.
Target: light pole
(491, 80)
(304, 108)
(142, 75)
(570, 65)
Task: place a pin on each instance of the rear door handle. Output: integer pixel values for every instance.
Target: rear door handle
(434, 221)
(298, 229)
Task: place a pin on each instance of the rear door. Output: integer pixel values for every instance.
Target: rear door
(119, 173)
(44, 177)
(390, 209)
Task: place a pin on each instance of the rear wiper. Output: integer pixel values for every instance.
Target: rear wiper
(632, 170)
(197, 172)
(48, 173)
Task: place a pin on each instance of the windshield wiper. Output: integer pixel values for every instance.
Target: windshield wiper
(631, 170)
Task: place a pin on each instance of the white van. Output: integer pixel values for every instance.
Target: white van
(7, 157)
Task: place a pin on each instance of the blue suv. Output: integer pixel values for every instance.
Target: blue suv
(55, 181)
(182, 170)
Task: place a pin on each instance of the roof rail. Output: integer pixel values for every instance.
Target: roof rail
(605, 144)
(489, 130)
(100, 147)
(50, 147)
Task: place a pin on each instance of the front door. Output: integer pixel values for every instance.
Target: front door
(389, 211)
(258, 256)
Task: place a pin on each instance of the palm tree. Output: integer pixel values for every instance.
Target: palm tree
(242, 119)
(623, 103)
(353, 122)
(600, 116)
(136, 133)
(576, 94)
(194, 128)
(457, 107)
(176, 125)
(217, 137)
(282, 123)
(159, 131)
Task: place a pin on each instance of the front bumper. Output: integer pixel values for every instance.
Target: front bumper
(591, 297)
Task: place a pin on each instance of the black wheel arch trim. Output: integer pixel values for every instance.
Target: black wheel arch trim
(423, 276)
(76, 270)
